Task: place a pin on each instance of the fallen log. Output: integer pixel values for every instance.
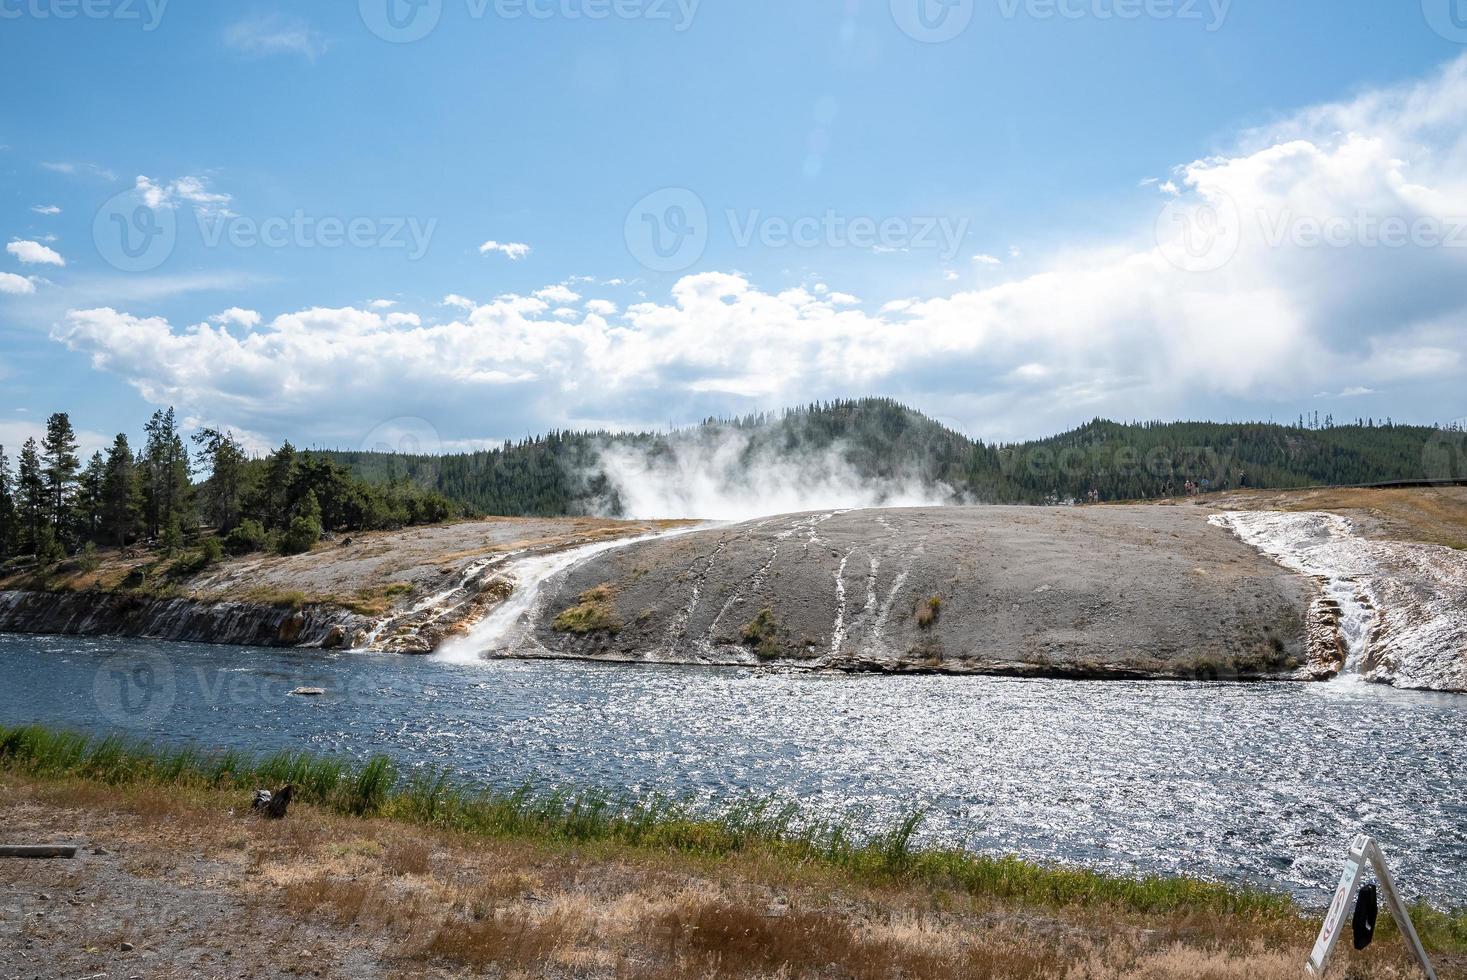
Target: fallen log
(37, 850)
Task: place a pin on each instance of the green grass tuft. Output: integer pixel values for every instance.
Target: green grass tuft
(595, 612)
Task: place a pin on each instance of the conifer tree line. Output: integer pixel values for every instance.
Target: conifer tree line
(168, 494)
(882, 439)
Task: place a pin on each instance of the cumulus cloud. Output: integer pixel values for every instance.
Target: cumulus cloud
(601, 307)
(276, 34)
(16, 285)
(34, 253)
(237, 317)
(557, 294)
(1274, 273)
(514, 251)
(47, 209)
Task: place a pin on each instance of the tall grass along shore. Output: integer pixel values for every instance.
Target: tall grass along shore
(764, 833)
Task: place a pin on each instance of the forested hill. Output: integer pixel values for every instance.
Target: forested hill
(883, 442)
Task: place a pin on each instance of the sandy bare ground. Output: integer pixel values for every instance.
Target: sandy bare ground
(172, 886)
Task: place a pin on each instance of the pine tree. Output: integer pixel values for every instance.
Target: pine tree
(89, 498)
(31, 498)
(222, 494)
(8, 529)
(165, 474)
(58, 453)
(120, 493)
(279, 481)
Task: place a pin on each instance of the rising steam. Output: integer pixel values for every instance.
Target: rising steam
(727, 475)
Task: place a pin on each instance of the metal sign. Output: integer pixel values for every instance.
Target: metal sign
(1364, 850)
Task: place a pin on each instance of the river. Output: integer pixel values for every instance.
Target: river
(1248, 783)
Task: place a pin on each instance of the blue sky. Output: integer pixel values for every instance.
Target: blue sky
(977, 225)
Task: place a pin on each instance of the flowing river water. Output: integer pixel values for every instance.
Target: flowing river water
(1254, 783)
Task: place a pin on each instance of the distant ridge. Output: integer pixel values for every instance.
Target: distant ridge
(881, 440)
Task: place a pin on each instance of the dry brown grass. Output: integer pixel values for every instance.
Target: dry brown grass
(1432, 515)
(437, 904)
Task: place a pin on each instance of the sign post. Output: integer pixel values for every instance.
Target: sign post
(1364, 850)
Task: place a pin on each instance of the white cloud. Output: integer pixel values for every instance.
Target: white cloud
(382, 304)
(601, 307)
(237, 317)
(403, 320)
(13, 435)
(34, 253)
(72, 169)
(514, 251)
(987, 260)
(1112, 329)
(461, 302)
(193, 190)
(1357, 392)
(276, 34)
(45, 209)
(15, 285)
(560, 295)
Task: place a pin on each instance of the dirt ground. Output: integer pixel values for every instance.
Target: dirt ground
(182, 887)
(356, 570)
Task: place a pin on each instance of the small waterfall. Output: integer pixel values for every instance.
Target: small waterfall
(1324, 547)
(510, 622)
(438, 610)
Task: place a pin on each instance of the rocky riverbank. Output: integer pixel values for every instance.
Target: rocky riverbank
(1304, 586)
(403, 591)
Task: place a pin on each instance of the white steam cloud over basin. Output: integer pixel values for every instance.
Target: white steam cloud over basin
(728, 479)
(1404, 604)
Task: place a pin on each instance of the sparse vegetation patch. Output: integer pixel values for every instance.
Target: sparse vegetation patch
(595, 612)
(762, 634)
